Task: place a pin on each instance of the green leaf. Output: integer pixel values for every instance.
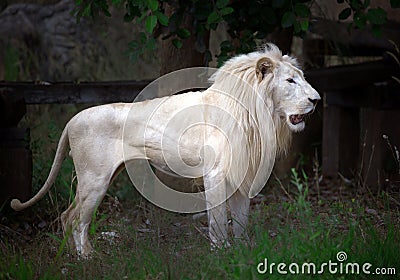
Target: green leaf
(288, 19)
(152, 4)
(142, 38)
(133, 9)
(151, 23)
(162, 18)
(177, 43)
(132, 12)
(360, 20)
(183, 33)
(87, 10)
(366, 4)
(301, 10)
(377, 16)
(296, 27)
(226, 11)
(213, 17)
(345, 14)
(134, 45)
(227, 45)
(103, 6)
(356, 4)
(151, 44)
(304, 24)
(221, 59)
(395, 4)
(221, 3)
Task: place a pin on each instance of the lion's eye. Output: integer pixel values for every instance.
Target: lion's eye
(291, 81)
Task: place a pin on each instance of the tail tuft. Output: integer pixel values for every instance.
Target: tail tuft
(16, 205)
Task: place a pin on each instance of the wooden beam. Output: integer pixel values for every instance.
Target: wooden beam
(381, 96)
(85, 92)
(331, 79)
(338, 78)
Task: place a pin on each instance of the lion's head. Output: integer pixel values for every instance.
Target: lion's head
(276, 78)
(293, 97)
(269, 98)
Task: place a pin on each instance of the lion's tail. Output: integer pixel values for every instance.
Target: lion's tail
(55, 168)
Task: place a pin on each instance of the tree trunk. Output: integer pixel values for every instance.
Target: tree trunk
(172, 58)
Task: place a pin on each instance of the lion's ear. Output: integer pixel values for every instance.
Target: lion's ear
(264, 66)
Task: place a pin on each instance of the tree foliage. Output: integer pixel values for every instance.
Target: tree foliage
(247, 21)
(363, 15)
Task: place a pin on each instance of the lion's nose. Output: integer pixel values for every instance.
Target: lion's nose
(313, 101)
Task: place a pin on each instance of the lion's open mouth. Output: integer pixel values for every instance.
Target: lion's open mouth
(296, 119)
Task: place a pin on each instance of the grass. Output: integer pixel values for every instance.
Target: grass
(150, 243)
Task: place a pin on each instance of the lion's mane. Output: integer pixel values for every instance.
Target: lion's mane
(251, 104)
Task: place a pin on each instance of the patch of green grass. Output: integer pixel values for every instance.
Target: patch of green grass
(314, 241)
(293, 236)
(16, 268)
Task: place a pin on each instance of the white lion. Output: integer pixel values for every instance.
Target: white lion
(254, 103)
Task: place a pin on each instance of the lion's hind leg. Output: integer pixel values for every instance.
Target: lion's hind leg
(88, 202)
(76, 219)
(67, 219)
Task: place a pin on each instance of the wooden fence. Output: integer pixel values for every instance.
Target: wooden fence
(345, 90)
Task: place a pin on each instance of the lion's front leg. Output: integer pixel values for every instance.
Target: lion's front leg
(239, 205)
(215, 189)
